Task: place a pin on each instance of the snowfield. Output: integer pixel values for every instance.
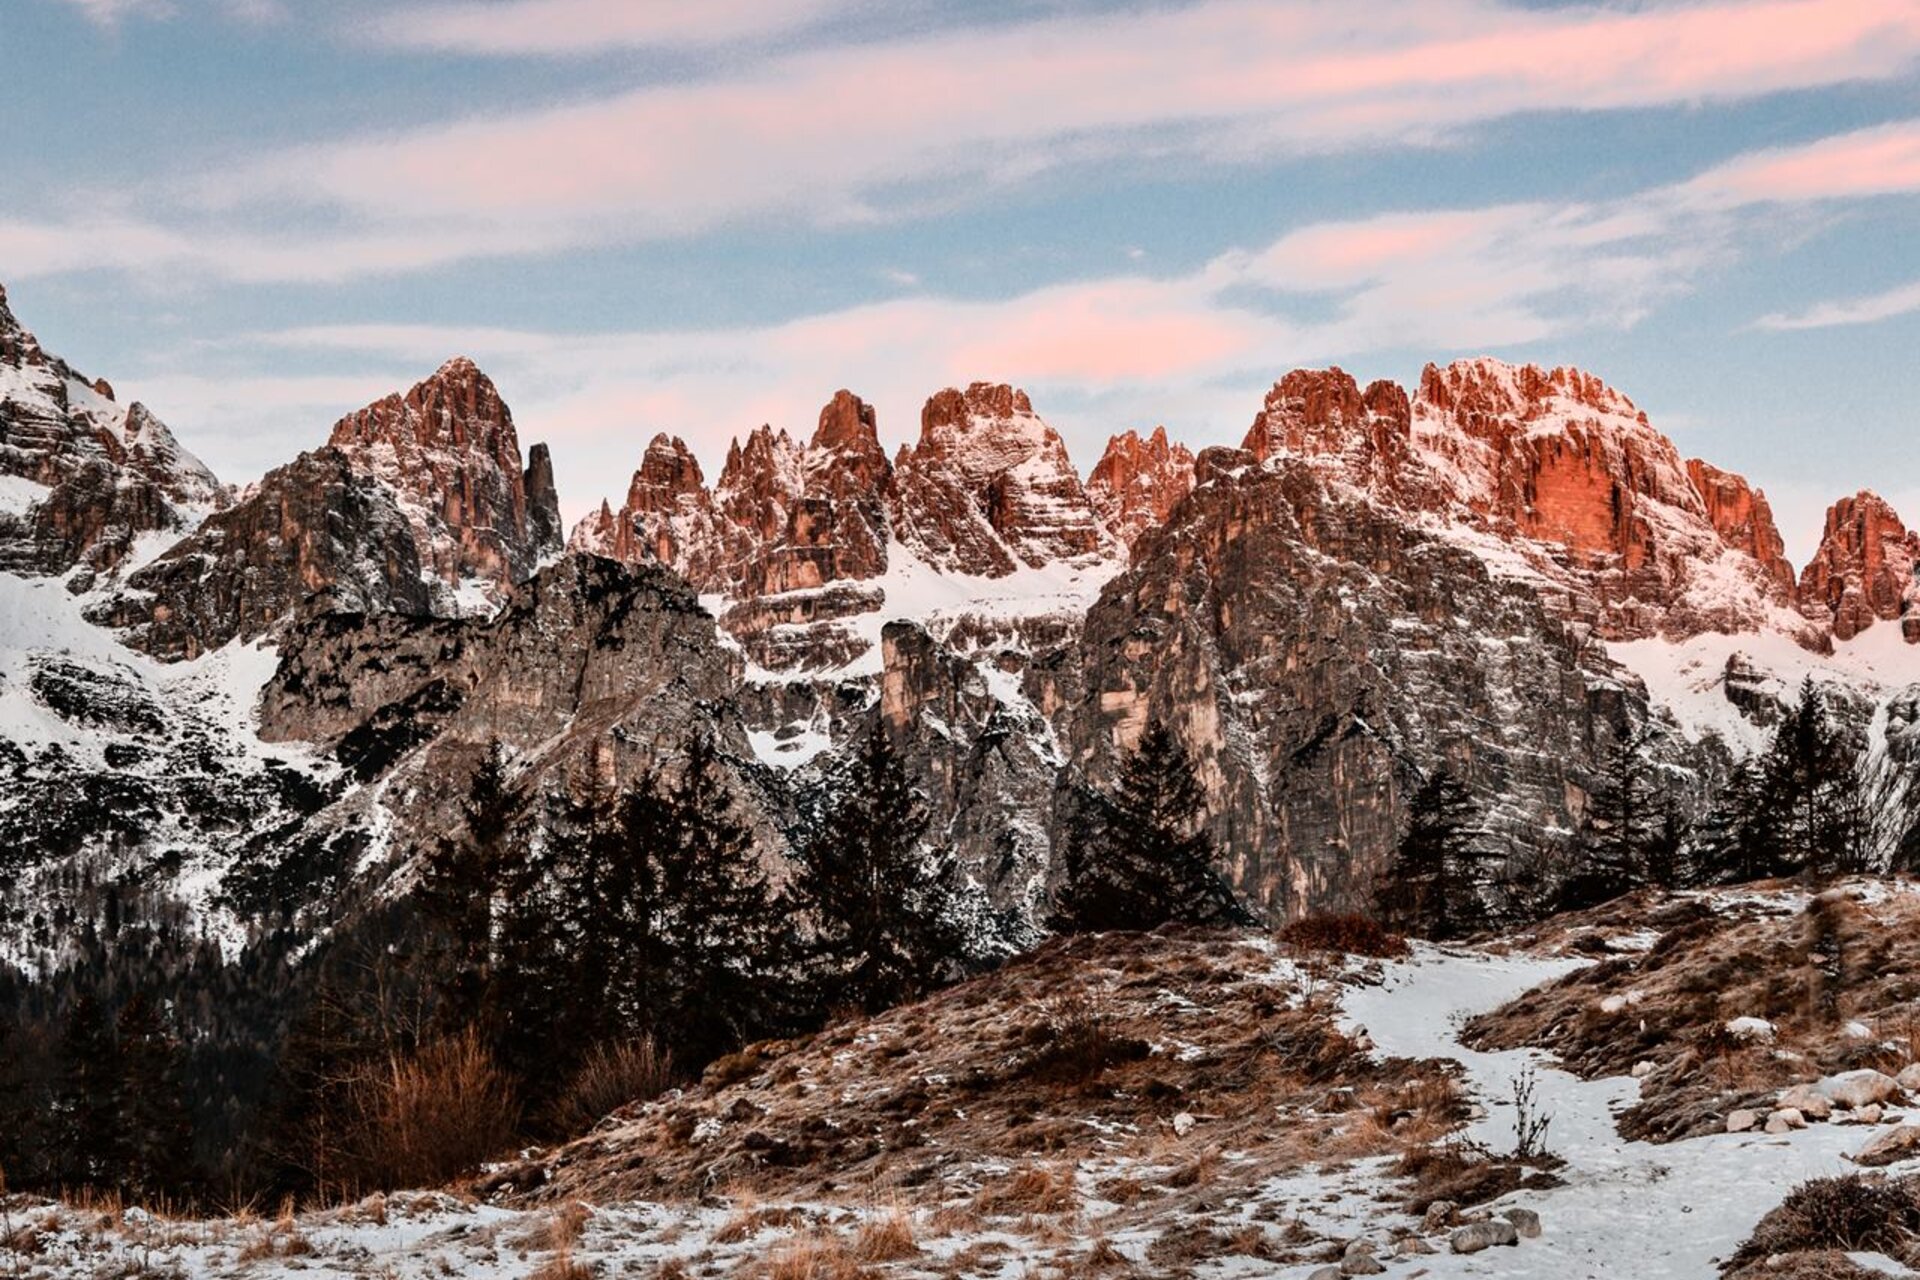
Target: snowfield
(1629, 1210)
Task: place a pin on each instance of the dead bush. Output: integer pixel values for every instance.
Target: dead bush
(1352, 934)
(424, 1119)
(1075, 1042)
(1855, 1213)
(886, 1238)
(612, 1076)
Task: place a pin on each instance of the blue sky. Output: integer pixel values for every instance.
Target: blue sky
(256, 215)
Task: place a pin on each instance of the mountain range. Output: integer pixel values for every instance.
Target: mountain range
(265, 699)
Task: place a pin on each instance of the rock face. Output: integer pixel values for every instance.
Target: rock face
(315, 536)
(989, 488)
(1557, 474)
(448, 452)
(590, 672)
(1137, 482)
(1320, 655)
(1741, 514)
(668, 517)
(1864, 570)
(81, 477)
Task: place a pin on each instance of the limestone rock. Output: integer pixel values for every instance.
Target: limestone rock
(1483, 1235)
(1900, 1142)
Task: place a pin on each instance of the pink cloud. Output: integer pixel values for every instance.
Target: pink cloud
(1870, 162)
(821, 133)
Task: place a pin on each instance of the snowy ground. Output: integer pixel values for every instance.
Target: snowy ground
(1629, 1210)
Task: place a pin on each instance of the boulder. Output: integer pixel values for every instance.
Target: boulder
(1807, 1100)
(1909, 1077)
(1361, 1264)
(1325, 1273)
(1889, 1145)
(1642, 1069)
(1784, 1119)
(1525, 1221)
(1751, 1030)
(1483, 1235)
(1411, 1246)
(1742, 1120)
(1439, 1215)
(1858, 1088)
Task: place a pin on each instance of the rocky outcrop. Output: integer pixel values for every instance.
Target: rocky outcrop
(448, 452)
(1744, 519)
(315, 536)
(82, 478)
(1137, 482)
(1864, 570)
(1319, 655)
(1322, 417)
(989, 488)
(668, 518)
(589, 674)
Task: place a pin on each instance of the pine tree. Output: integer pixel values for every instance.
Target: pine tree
(1730, 846)
(1433, 886)
(725, 935)
(459, 887)
(152, 1114)
(1812, 784)
(881, 901)
(1620, 829)
(89, 1142)
(1141, 856)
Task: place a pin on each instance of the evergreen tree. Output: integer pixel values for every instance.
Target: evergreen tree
(1812, 813)
(152, 1114)
(1141, 856)
(882, 902)
(725, 935)
(460, 885)
(1433, 887)
(1730, 846)
(1620, 829)
(89, 1142)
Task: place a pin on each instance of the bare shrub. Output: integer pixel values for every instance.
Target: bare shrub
(423, 1119)
(1075, 1042)
(1353, 935)
(1856, 1212)
(887, 1238)
(612, 1076)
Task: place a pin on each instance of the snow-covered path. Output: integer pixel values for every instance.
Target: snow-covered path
(1630, 1210)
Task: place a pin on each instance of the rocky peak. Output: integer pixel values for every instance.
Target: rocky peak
(315, 536)
(668, 517)
(1488, 392)
(1323, 416)
(81, 476)
(1744, 519)
(990, 488)
(1138, 481)
(1864, 570)
(448, 450)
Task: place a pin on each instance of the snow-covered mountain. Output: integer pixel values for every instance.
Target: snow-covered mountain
(1498, 571)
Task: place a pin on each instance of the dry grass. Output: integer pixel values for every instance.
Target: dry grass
(1037, 1189)
(813, 1257)
(1858, 1212)
(887, 1238)
(613, 1076)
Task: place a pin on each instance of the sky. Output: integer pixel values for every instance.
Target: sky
(652, 215)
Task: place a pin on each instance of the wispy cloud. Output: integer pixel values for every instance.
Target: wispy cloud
(894, 130)
(574, 27)
(1869, 309)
